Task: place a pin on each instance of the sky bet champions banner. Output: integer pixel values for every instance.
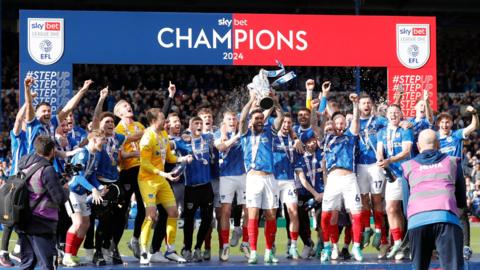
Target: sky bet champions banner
(52, 41)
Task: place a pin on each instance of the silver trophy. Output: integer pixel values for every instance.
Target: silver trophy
(263, 88)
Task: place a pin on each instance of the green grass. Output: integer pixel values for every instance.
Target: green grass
(281, 242)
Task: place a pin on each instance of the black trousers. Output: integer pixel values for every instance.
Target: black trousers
(64, 223)
(128, 180)
(108, 216)
(7, 233)
(160, 229)
(466, 227)
(446, 238)
(197, 197)
(38, 249)
(304, 220)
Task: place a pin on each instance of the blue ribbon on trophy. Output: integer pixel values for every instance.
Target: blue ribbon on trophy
(263, 88)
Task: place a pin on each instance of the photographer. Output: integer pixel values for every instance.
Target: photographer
(77, 207)
(37, 237)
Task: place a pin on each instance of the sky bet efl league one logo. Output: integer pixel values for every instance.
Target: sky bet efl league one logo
(413, 44)
(45, 39)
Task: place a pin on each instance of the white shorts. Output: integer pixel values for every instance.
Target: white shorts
(370, 179)
(231, 185)
(287, 191)
(216, 193)
(393, 191)
(262, 191)
(338, 187)
(77, 204)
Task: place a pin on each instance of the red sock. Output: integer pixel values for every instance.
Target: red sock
(325, 222)
(245, 234)
(274, 233)
(378, 217)
(348, 235)
(70, 243)
(270, 228)
(397, 234)
(252, 233)
(334, 234)
(225, 235)
(366, 218)
(383, 239)
(357, 228)
(77, 242)
(294, 235)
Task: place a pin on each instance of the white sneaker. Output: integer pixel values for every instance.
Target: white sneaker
(306, 252)
(225, 254)
(236, 235)
(334, 255)
(158, 257)
(173, 256)
(245, 249)
(395, 249)
(89, 255)
(144, 258)
(383, 251)
(107, 254)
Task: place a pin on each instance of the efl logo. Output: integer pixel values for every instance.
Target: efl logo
(52, 26)
(419, 31)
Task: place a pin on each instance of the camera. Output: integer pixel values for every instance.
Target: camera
(112, 198)
(70, 170)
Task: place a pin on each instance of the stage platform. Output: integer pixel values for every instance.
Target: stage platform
(239, 263)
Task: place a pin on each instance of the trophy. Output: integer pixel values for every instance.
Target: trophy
(263, 88)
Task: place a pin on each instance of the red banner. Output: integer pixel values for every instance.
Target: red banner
(406, 46)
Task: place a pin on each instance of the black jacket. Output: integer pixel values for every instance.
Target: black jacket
(56, 195)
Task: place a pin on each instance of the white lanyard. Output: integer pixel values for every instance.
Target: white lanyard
(90, 163)
(198, 154)
(111, 148)
(311, 168)
(366, 141)
(49, 130)
(255, 140)
(288, 151)
(73, 132)
(391, 131)
(331, 142)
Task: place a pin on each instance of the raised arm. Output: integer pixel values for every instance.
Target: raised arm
(72, 103)
(17, 127)
(99, 108)
(355, 126)
(29, 110)
(278, 111)
(242, 124)
(428, 108)
(474, 124)
(398, 95)
(309, 85)
(169, 101)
